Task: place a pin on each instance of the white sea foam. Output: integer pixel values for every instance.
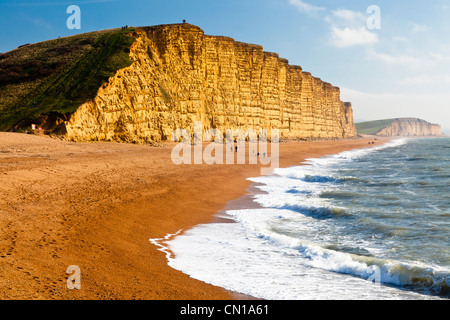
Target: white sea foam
(278, 267)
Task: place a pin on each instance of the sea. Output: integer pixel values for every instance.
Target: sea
(365, 224)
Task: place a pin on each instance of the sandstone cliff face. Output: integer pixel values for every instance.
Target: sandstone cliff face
(180, 75)
(411, 127)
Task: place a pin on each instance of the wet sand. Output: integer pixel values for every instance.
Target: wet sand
(96, 205)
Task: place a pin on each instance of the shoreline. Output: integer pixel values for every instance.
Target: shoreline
(96, 205)
(245, 201)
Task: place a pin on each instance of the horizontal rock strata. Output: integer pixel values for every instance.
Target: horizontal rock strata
(180, 75)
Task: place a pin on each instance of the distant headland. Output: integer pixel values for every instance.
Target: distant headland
(399, 127)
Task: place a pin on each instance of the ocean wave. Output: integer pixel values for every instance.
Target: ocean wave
(424, 279)
(296, 191)
(419, 278)
(306, 174)
(340, 195)
(346, 259)
(391, 183)
(313, 169)
(417, 159)
(321, 179)
(316, 210)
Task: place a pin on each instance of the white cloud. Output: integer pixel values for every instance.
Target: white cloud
(402, 59)
(425, 79)
(439, 58)
(348, 29)
(305, 7)
(348, 37)
(419, 80)
(400, 39)
(349, 16)
(413, 62)
(416, 28)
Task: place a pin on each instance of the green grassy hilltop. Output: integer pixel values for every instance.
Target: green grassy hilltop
(52, 78)
(372, 127)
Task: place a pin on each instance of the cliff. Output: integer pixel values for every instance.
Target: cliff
(399, 127)
(179, 75)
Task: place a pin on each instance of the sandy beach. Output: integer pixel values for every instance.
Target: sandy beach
(96, 205)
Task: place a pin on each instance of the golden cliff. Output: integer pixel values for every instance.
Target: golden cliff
(180, 75)
(410, 127)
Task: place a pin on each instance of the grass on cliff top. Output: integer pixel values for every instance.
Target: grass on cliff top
(57, 76)
(372, 127)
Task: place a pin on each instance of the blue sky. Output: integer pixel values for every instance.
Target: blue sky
(401, 69)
